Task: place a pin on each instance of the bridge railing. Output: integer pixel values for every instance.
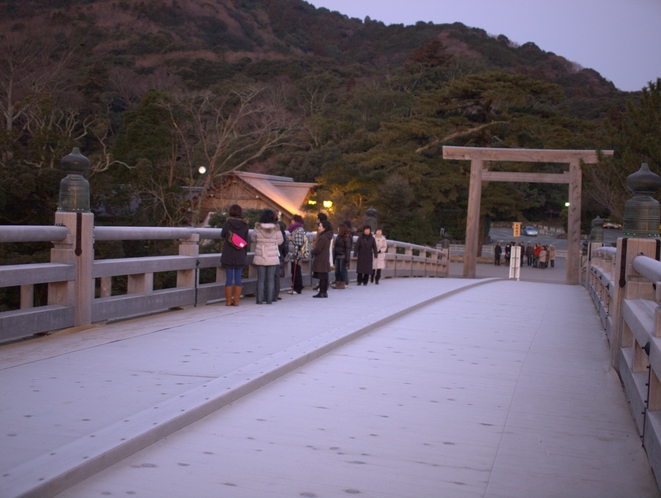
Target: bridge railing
(625, 285)
(62, 272)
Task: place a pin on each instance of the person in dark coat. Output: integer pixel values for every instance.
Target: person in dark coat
(341, 255)
(321, 252)
(365, 253)
(530, 252)
(232, 258)
(280, 271)
(497, 251)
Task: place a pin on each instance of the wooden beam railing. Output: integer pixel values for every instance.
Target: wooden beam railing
(402, 260)
(625, 285)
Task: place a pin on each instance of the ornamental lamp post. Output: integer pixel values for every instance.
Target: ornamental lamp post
(641, 212)
(74, 189)
(74, 212)
(371, 218)
(597, 232)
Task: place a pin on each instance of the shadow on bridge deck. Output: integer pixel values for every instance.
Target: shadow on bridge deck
(415, 387)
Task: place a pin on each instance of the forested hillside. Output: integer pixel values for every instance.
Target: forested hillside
(151, 90)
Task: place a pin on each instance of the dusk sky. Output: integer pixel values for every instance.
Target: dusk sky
(621, 39)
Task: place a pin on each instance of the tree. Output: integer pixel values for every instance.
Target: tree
(635, 137)
(226, 132)
(31, 62)
(170, 136)
(494, 109)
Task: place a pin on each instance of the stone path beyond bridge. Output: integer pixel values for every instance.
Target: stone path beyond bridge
(427, 388)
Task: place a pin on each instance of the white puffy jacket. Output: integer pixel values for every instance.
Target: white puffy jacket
(267, 237)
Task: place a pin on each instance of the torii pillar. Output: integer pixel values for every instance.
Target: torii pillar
(479, 155)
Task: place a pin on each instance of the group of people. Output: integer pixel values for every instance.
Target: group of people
(268, 237)
(537, 256)
(329, 252)
(273, 249)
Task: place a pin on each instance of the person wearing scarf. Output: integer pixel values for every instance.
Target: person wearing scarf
(296, 242)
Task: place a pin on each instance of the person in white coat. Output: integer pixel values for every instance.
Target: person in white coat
(379, 263)
(267, 238)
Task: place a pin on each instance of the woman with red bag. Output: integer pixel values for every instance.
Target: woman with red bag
(233, 258)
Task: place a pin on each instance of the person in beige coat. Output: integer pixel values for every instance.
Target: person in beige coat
(552, 255)
(267, 238)
(379, 263)
(543, 258)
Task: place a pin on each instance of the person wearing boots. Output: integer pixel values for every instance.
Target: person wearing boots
(233, 258)
(365, 253)
(321, 264)
(379, 262)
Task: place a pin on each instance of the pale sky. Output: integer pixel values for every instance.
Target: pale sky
(621, 39)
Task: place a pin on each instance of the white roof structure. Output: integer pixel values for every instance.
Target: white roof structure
(282, 190)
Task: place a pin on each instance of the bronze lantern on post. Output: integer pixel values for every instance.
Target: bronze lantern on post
(370, 221)
(74, 189)
(641, 212)
(597, 231)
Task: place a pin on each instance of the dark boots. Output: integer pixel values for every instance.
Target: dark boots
(323, 289)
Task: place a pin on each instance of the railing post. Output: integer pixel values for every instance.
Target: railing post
(81, 226)
(27, 296)
(408, 252)
(188, 247)
(142, 283)
(391, 264)
(106, 287)
(62, 293)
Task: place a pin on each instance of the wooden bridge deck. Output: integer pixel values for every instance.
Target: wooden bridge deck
(413, 388)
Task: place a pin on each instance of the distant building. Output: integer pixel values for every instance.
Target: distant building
(256, 191)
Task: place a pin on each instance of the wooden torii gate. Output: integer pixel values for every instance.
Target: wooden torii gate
(479, 155)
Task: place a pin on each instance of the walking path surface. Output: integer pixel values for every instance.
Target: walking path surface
(556, 275)
(415, 387)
